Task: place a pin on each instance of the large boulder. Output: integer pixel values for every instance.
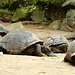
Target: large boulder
(68, 23)
(55, 25)
(55, 13)
(15, 26)
(37, 15)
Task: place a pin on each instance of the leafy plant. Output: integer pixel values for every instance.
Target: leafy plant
(22, 12)
(51, 55)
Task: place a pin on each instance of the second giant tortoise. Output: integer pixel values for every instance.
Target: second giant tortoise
(23, 42)
(57, 43)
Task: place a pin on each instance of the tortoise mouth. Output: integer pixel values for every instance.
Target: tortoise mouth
(73, 56)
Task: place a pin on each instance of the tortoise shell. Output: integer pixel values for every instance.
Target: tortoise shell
(56, 40)
(15, 42)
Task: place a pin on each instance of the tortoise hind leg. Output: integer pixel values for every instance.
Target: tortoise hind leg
(38, 51)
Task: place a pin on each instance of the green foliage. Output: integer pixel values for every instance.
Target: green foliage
(51, 55)
(36, 10)
(22, 12)
(32, 1)
(5, 15)
(5, 12)
(4, 3)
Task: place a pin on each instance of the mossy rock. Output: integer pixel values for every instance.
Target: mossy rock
(5, 15)
(55, 13)
(22, 12)
(70, 13)
(37, 15)
(55, 25)
(68, 23)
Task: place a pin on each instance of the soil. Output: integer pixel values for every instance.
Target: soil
(33, 65)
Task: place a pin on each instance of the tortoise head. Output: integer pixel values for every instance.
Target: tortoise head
(45, 49)
(3, 30)
(73, 57)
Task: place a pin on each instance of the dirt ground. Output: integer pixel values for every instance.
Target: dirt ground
(33, 65)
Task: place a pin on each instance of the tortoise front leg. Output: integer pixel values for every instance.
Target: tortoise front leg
(38, 50)
(66, 60)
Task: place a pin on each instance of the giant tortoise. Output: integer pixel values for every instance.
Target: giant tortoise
(70, 55)
(57, 43)
(23, 43)
(3, 30)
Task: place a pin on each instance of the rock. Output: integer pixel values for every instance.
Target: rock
(57, 2)
(70, 36)
(40, 27)
(70, 13)
(64, 26)
(55, 25)
(15, 26)
(68, 23)
(55, 13)
(68, 3)
(37, 15)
